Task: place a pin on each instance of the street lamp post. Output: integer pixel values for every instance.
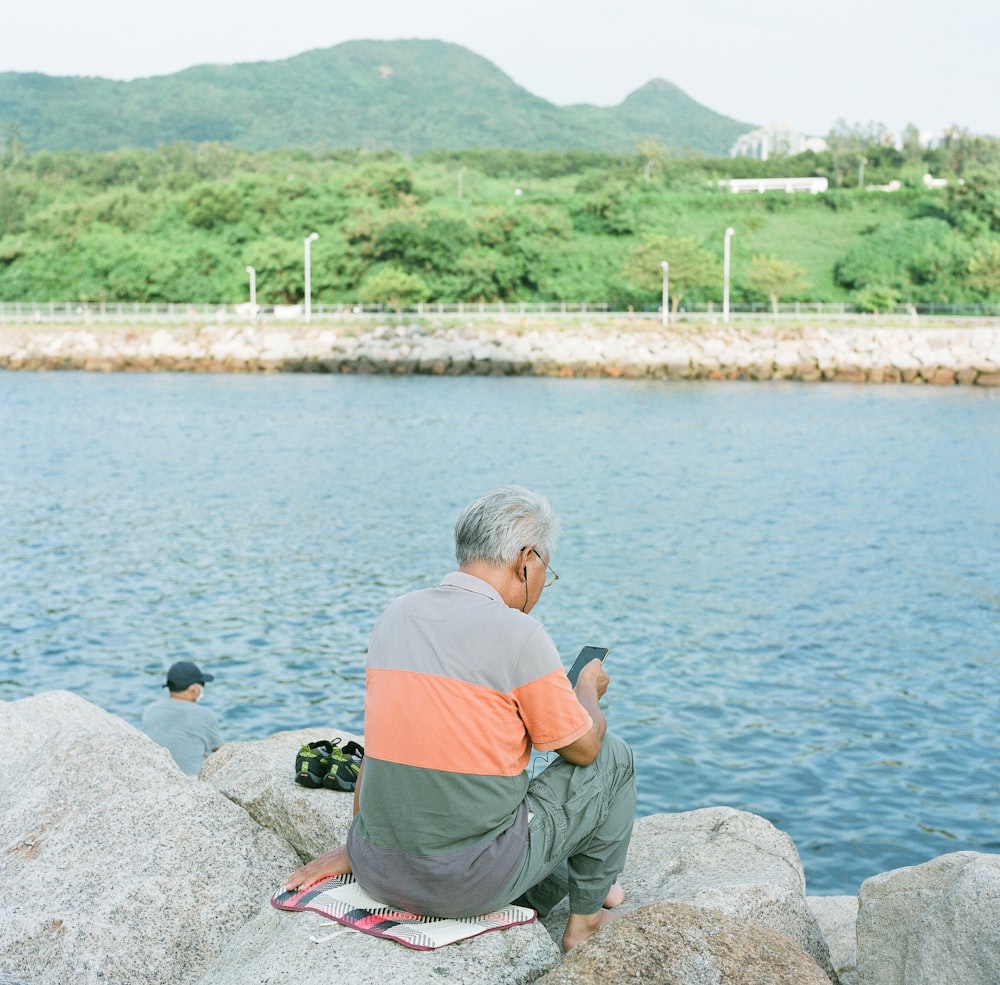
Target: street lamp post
(308, 241)
(665, 267)
(253, 292)
(725, 276)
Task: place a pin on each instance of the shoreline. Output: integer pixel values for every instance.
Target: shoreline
(519, 346)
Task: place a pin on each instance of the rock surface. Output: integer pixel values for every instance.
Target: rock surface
(676, 944)
(931, 924)
(291, 948)
(115, 866)
(837, 917)
(720, 859)
(614, 347)
(259, 777)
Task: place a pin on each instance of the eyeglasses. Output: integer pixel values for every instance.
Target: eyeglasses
(551, 577)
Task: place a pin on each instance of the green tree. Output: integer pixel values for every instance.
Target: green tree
(775, 278)
(394, 287)
(918, 259)
(522, 242)
(12, 150)
(913, 151)
(610, 210)
(16, 201)
(427, 244)
(653, 155)
(211, 205)
(692, 267)
(961, 152)
(874, 300)
(278, 262)
(984, 271)
(973, 205)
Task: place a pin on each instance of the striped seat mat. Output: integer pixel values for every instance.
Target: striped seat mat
(342, 899)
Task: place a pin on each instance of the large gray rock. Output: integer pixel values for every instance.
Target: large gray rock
(116, 867)
(721, 859)
(260, 777)
(837, 917)
(54, 718)
(278, 948)
(676, 944)
(931, 924)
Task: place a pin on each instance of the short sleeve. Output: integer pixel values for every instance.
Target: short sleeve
(551, 713)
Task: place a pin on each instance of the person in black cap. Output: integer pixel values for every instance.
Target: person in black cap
(190, 731)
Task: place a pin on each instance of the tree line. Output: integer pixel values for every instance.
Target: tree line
(183, 222)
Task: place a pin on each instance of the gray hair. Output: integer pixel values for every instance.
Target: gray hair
(496, 527)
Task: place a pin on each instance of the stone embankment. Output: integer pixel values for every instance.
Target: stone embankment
(624, 348)
(117, 868)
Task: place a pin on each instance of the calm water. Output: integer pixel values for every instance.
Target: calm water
(800, 585)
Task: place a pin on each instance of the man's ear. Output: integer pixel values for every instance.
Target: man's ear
(522, 563)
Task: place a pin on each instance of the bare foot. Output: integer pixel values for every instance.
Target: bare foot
(615, 897)
(582, 926)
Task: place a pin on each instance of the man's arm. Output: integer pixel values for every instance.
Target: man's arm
(214, 739)
(590, 688)
(332, 863)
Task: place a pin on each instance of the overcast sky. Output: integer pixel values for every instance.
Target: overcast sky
(762, 61)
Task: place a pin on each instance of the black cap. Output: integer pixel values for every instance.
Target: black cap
(183, 674)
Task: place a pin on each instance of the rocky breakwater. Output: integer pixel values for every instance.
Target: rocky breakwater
(116, 868)
(612, 348)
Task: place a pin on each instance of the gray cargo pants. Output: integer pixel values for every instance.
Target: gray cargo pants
(578, 836)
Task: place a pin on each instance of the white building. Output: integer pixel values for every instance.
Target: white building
(777, 138)
(812, 185)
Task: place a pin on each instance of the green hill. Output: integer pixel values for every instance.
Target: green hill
(410, 96)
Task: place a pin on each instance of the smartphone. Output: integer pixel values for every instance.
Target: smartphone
(587, 654)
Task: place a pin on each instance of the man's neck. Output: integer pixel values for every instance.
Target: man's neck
(505, 580)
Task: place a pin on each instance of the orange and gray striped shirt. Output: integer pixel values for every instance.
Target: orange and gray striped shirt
(459, 688)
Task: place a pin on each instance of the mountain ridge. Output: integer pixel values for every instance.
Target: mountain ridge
(410, 96)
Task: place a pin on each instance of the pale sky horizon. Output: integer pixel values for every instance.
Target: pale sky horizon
(811, 66)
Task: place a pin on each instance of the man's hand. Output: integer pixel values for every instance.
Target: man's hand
(593, 672)
(324, 866)
(590, 687)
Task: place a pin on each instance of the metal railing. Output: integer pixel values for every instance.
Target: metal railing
(74, 312)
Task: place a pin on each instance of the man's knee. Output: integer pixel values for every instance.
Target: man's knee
(618, 770)
(617, 753)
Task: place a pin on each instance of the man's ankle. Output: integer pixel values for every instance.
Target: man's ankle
(582, 926)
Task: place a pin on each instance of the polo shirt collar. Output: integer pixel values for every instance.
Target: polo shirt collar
(470, 583)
